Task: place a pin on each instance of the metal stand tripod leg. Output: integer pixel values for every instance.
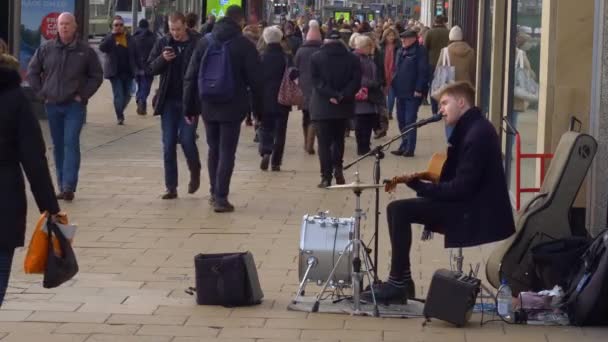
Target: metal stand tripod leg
(459, 264)
(315, 307)
(312, 262)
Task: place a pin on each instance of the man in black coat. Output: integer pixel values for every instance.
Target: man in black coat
(469, 203)
(169, 58)
(144, 41)
(21, 147)
(120, 64)
(223, 118)
(336, 78)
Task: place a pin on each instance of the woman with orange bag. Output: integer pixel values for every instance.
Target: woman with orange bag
(21, 147)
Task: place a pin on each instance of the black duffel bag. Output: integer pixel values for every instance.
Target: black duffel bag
(555, 261)
(228, 279)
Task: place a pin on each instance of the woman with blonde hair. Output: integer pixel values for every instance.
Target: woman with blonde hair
(389, 45)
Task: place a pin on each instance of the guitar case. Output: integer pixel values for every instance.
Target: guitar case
(546, 216)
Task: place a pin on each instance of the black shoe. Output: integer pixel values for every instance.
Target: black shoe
(339, 178)
(195, 181)
(397, 153)
(387, 293)
(169, 195)
(275, 168)
(223, 206)
(408, 154)
(324, 183)
(141, 108)
(380, 135)
(68, 196)
(265, 161)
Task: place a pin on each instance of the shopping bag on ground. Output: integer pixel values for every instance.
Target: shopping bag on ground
(37, 253)
(525, 87)
(445, 73)
(60, 267)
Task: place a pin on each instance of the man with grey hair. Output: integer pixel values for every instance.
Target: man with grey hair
(336, 78)
(66, 73)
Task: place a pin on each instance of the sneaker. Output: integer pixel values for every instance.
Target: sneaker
(387, 293)
(223, 206)
(265, 161)
(169, 195)
(68, 196)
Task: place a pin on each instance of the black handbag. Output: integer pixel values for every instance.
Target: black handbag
(228, 279)
(59, 268)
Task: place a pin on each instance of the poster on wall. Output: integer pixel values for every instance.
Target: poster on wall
(218, 7)
(39, 24)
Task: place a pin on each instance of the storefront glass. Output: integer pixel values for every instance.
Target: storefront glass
(523, 102)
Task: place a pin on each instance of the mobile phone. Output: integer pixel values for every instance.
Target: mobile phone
(168, 48)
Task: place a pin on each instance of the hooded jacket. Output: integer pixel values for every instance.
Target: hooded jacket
(21, 148)
(336, 73)
(157, 65)
(68, 70)
(144, 42)
(302, 62)
(472, 176)
(246, 72)
(464, 60)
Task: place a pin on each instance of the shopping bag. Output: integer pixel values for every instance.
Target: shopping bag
(290, 93)
(60, 267)
(525, 87)
(445, 73)
(37, 253)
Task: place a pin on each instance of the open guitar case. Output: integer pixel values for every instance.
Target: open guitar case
(545, 217)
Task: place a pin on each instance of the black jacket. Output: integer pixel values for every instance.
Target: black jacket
(336, 73)
(246, 72)
(473, 176)
(157, 65)
(273, 68)
(110, 63)
(21, 147)
(144, 42)
(302, 61)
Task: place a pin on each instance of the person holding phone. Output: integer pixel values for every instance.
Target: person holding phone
(169, 59)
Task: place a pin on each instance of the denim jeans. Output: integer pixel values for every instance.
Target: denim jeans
(407, 114)
(144, 84)
(65, 122)
(174, 126)
(390, 101)
(222, 139)
(272, 136)
(121, 89)
(6, 261)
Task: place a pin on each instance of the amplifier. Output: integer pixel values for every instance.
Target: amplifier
(451, 297)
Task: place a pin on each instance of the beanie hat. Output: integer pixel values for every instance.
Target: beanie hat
(272, 35)
(455, 34)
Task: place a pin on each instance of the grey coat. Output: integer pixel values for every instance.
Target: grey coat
(302, 63)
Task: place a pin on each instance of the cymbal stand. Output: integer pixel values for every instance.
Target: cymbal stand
(357, 274)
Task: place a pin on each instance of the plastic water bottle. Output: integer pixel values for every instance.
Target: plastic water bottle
(505, 301)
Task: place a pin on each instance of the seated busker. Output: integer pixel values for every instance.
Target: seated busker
(469, 203)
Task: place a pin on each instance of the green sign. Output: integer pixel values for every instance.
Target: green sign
(218, 7)
(342, 15)
(370, 17)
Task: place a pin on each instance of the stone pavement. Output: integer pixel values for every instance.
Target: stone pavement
(136, 251)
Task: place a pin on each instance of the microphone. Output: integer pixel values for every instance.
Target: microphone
(434, 118)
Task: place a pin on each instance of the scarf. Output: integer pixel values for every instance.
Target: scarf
(389, 63)
(121, 39)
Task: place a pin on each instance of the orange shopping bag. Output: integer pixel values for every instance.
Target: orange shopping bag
(38, 252)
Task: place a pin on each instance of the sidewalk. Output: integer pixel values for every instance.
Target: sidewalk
(136, 251)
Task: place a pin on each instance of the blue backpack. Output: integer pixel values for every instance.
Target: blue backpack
(215, 77)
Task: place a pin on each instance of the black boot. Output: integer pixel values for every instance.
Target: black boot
(339, 176)
(325, 182)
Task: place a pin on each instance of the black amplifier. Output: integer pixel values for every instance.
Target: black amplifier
(451, 297)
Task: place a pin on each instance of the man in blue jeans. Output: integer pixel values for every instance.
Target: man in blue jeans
(409, 84)
(72, 74)
(119, 65)
(169, 59)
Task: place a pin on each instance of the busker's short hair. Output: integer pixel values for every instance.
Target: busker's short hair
(459, 89)
(177, 16)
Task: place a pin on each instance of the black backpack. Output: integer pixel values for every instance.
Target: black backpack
(586, 299)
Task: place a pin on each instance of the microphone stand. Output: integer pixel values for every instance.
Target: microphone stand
(378, 153)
